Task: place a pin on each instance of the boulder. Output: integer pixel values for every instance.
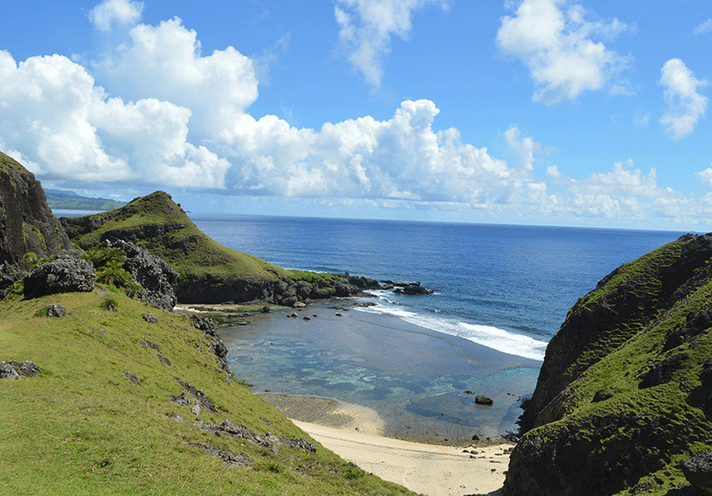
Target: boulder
(63, 275)
(698, 472)
(55, 310)
(481, 399)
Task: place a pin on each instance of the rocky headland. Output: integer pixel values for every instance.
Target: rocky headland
(623, 402)
(207, 272)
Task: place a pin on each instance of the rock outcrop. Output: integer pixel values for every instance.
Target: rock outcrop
(28, 229)
(153, 274)
(65, 274)
(624, 393)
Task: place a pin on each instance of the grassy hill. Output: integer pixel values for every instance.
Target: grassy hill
(208, 272)
(158, 224)
(625, 392)
(82, 427)
(69, 200)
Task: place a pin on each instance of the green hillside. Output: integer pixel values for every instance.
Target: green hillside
(162, 227)
(82, 427)
(69, 200)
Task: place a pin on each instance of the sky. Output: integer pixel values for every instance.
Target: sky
(532, 112)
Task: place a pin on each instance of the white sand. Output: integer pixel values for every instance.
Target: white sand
(424, 468)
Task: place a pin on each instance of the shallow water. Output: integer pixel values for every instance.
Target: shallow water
(415, 378)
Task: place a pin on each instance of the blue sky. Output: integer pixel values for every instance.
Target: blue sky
(526, 112)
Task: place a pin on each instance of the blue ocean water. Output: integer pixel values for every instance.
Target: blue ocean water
(501, 293)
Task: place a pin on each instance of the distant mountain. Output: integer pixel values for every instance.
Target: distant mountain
(69, 200)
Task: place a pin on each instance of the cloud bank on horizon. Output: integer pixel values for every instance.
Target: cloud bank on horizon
(154, 111)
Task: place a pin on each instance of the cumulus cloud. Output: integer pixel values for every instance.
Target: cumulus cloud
(624, 192)
(367, 26)
(555, 40)
(124, 12)
(684, 106)
(706, 177)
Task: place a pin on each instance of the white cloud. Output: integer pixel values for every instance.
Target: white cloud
(367, 26)
(125, 12)
(165, 62)
(523, 147)
(684, 106)
(641, 119)
(625, 193)
(556, 42)
(706, 177)
(704, 27)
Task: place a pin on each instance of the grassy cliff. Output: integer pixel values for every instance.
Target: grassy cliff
(208, 272)
(625, 391)
(83, 426)
(158, 224)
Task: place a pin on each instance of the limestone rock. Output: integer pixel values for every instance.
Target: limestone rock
(63, 275)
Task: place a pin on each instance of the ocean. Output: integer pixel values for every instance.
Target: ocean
(500, 293)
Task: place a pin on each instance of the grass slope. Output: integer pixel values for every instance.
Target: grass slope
(651, 428)
(162, 227)
(81, 427)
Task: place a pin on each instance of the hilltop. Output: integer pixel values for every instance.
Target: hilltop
(624, 396)
(208, 272)
(69, 200)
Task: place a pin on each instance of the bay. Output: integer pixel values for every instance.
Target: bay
(501, 292)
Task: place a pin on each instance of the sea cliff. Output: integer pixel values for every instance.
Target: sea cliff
(623, 397)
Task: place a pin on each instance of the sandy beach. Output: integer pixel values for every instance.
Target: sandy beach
(352, 432)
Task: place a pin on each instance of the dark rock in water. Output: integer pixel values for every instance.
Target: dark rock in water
(63, 275)
(55, 310)
(481, 399)
(152, 273)
(413, 289)
(698, 472)
(132, 377)
(150, 318)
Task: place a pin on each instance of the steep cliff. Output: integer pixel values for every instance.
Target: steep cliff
(622, 397)
(208, 272)
(28, 228)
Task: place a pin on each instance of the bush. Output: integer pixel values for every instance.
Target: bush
(109, 265)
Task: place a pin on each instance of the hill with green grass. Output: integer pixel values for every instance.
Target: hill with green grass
(69, 200)
(624, 396)
(208, 272)
(129, 405)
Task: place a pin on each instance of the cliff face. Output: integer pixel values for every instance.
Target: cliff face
(622, 397)
(27, 225)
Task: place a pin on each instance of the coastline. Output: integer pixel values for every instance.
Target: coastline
(352, 432)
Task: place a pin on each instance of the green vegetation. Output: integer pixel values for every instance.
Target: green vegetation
(162, 227)
(69, 200)
(109, 266)
(642, 318)
(83, 427)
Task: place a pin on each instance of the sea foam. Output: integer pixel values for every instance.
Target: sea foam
(489, 336)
